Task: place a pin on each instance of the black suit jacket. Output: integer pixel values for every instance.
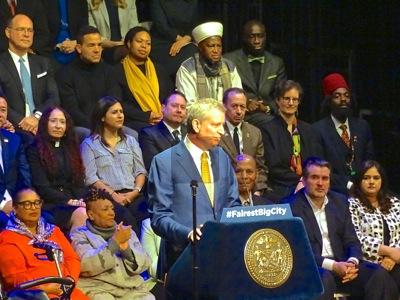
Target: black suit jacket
(35, 11)
(44, 88)
(341, 231)
(155, 139)
(337, 153)
(77, 17)
(15, 173)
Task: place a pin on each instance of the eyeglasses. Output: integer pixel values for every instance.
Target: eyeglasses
(288, 99)
(23, 29)
(29, 205)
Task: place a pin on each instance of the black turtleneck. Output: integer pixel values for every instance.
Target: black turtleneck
(81, 85)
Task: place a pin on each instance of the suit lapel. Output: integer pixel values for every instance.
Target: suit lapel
(10, 66)
(227, 142)
(310, 218)
(34, 68)
(185, 160)
(104, 12)
(246, 138)
(4, 153)
(166, 134)
(214, 158)
(246, 69)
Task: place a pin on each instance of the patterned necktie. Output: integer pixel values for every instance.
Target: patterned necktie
(345, 136)
(26, 85)
(13, 7)
(175, 133)
(236, 140)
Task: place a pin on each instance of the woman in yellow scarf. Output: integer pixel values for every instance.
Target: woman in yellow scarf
(140, 83)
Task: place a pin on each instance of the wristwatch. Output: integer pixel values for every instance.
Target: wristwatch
(137, 188)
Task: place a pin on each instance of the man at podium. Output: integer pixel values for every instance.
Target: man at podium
(194, 161)
(336, 248)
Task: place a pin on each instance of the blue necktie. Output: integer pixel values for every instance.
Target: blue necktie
(26, 85)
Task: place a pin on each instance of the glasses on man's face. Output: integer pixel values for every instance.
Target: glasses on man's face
(31, 204)
(288, 99)
(23, 29)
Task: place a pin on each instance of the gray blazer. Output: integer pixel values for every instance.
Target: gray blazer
(99, 18)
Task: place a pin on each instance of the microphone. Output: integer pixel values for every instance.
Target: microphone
(194, 185)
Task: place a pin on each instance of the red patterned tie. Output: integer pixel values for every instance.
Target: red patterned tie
(13, 6)
(345, 136)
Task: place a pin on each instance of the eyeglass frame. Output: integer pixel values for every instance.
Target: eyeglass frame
(288, 99)
(31, 204)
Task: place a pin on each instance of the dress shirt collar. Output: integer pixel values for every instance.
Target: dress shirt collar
(231, 127)
(313, 206)
(171, 129)
(194, 150)
(338, 123)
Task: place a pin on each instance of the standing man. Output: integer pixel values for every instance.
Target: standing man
(259, 71)
(207, 74)
(242, 137)
(346, 141)
(14, 169)
(336, 248)
(196, 158)
(167, 133)
(27, 79)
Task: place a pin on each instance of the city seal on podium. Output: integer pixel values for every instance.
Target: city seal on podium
(268, 258)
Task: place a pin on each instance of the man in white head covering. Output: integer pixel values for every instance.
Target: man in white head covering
(207, 74)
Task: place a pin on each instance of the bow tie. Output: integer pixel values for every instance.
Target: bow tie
(260, 59)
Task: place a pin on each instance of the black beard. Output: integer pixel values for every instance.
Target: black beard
(341, 113)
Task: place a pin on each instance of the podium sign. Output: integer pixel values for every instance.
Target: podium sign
(250, 259)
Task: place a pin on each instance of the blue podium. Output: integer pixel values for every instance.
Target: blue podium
(259, 252)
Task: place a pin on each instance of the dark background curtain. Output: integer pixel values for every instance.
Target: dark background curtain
(314, 37)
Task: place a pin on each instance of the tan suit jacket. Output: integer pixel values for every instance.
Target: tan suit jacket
(253, 146)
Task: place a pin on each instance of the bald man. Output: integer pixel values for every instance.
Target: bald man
(246, 174)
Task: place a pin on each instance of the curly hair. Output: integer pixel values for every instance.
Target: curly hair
(96, 194)
(44, 144)
(383, 196)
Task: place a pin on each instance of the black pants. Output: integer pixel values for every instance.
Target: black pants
(372, 282)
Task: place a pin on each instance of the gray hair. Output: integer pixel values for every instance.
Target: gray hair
(199, 109)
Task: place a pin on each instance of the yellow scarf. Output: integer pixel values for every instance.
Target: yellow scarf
(144, 88)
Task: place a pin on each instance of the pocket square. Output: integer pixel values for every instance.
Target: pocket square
(272, 76)
(41, 74)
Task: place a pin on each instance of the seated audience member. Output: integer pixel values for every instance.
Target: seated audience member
(26, 79)
(15, 173)
(58, 172)
(242, 137)
(20, 258)
(64, 19)
(346, 141)
(167, 133)
(35, 11)
(260, 72)
(336, 248)
(143, 83)
(83, 82)
(246, 175)
(112, 257)
(287, 140)
(173, 21)
(113, 161)
(376, 218)
(113, 19)
(207, 74)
